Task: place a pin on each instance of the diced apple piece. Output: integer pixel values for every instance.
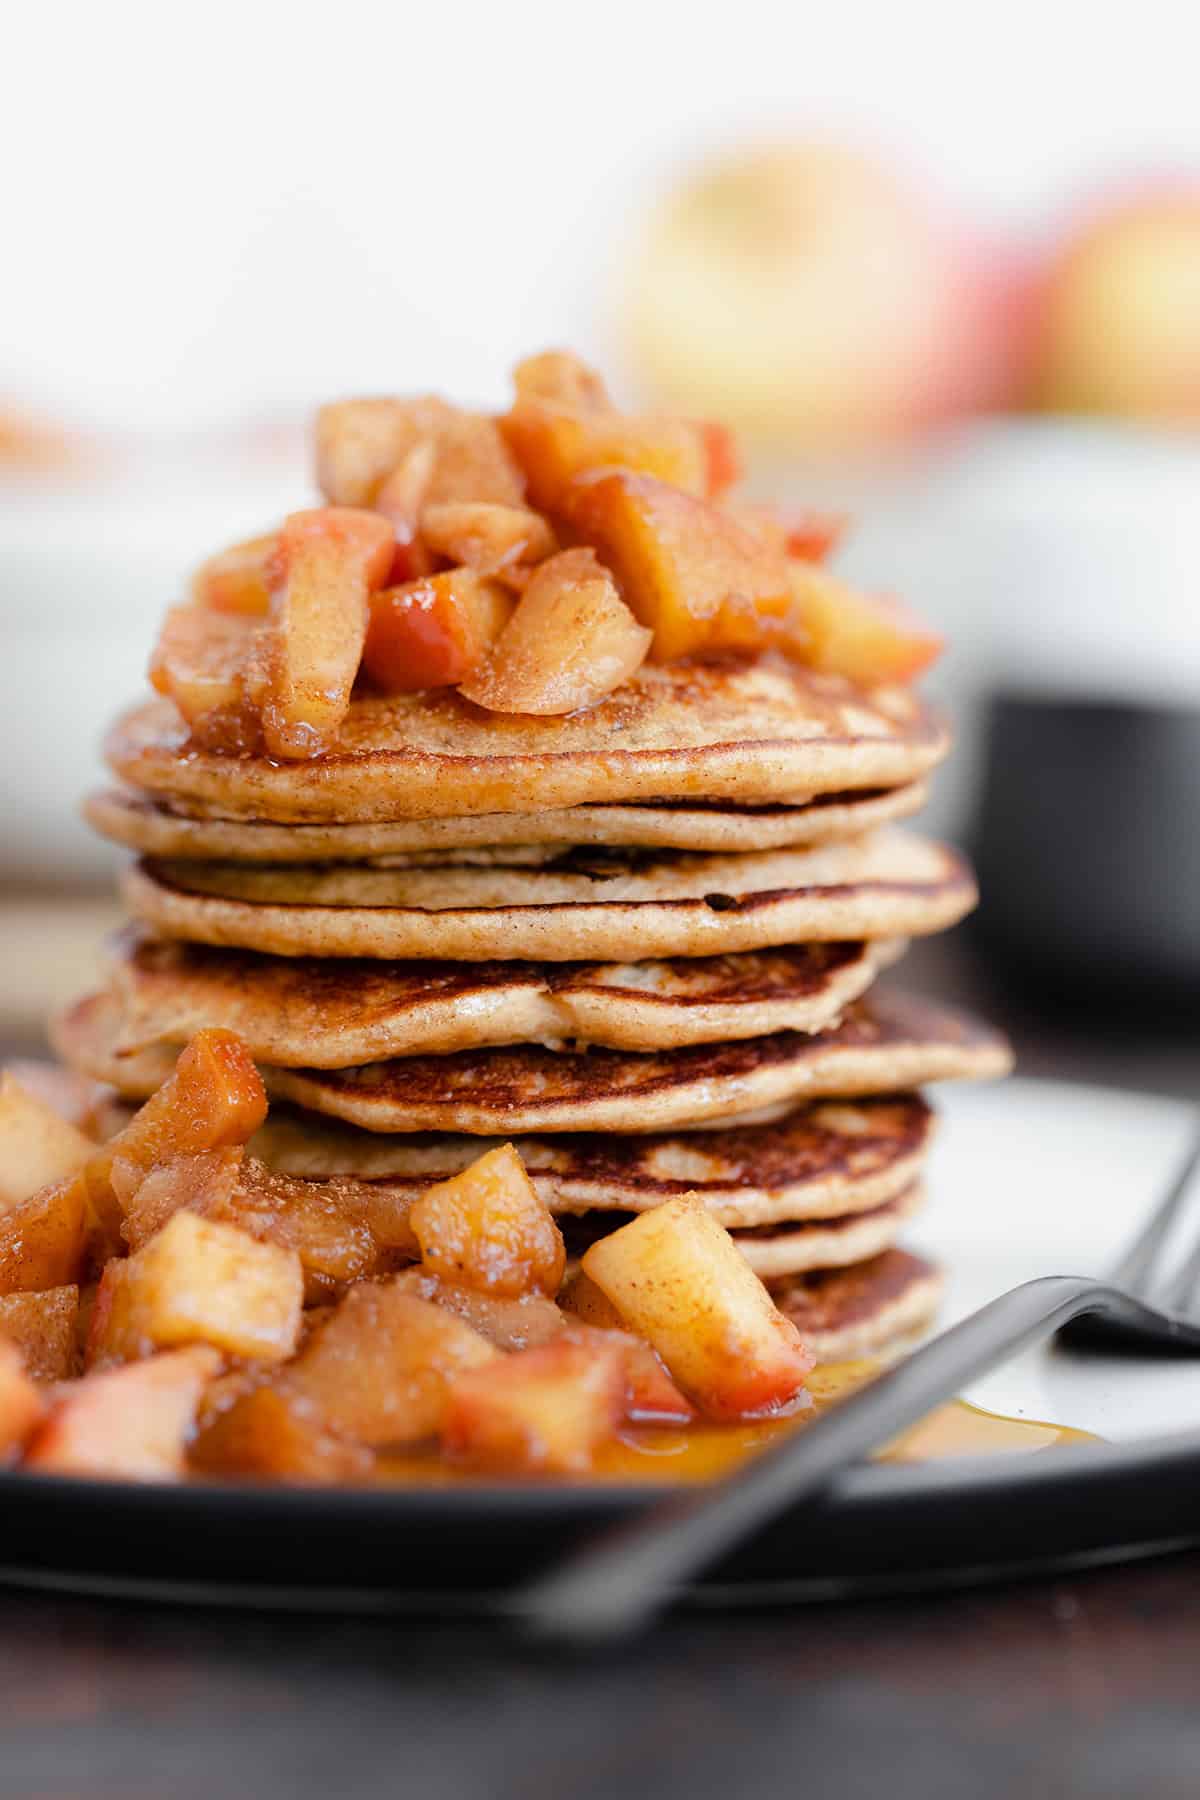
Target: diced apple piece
(433, 633)
(43, 1328)
(571, 640)
(208, 663)
(331, 1225)
(238, 580)
(509, 1324)
(724, 464)
(541, 1412)
(485, 537)
(360, 442)
(116, 1330)
(213, 1098)
(402, 497)
(555, 443)
(21, 1405)
(581, 1299)
(473, 463)
(560, 376)
(379, 1371)
(129, 1424)
(400, 500)
(330, 561)
(205, 1183)
(869, 639)
(651, 1397)
(37, 1145)
(43, 1238)
(679, 1280)
(488, 1228)
(693, 575)
(201, 1281)
(271, 1435)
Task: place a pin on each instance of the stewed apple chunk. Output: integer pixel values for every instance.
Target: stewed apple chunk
(214, 1098)
(508, 1323)
(555, 442)
(650, 1396)
(694, 576)
(871, 639)
(380, 1368)
(330, 561)
(360, 443)
(540, 1412)
(37, 1145)
(44, 1328)
(21, 1405)
(116, 1330)
(678, 1279)
(129, 1424)
(43, 1238)
(571, 640)
(270, 1435)
(208, 663)
(488, 1228)
(205, 1183)
(488, 538)
(238, 580)
(559, 375)
(202, 1281)
(433, 632)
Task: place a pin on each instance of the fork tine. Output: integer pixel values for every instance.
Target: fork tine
(1134, 1269)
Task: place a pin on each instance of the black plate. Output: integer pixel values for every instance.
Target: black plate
(460, 1548)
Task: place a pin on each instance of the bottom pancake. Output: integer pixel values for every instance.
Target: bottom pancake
(846, 1313)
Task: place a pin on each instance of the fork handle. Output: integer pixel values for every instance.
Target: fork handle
(621, 1580)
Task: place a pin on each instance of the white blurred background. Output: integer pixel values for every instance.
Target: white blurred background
(214, 219)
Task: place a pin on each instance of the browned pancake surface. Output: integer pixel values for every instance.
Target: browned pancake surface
(735, 730)
(329, 1013)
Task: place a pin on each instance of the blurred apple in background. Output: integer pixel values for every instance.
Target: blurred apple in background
(1116, 322)
(808, 295)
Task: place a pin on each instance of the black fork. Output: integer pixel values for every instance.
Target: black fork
(623, 1579)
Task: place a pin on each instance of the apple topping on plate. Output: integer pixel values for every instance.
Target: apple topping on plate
(182, 1310)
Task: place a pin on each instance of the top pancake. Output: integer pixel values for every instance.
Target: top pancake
(741, 730)
(156, 829)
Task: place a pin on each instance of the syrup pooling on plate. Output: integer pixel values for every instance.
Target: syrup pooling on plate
(700, 1452)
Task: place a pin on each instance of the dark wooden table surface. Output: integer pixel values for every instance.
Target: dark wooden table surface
(1084, 1685)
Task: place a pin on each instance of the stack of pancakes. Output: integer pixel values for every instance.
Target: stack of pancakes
(638, 942)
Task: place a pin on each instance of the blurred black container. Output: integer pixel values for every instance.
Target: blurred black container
(1088, 849)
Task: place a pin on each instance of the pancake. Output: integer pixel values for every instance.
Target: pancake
(612, 905)
(821, 1161)
(889, 1043)
(740, 729)
(153, 829)
(774, 1251)
(329, 1014)
(845, 1313)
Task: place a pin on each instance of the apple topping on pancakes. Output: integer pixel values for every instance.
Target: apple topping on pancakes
(494, 1082)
